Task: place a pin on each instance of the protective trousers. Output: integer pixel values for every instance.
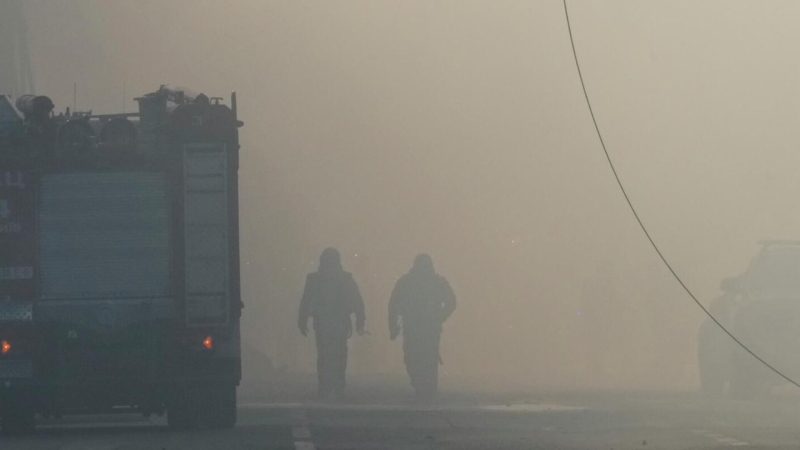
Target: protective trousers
(331, 358)
(421, 350)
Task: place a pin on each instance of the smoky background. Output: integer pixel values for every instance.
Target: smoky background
(458, 128)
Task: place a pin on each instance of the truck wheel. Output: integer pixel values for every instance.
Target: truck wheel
(181, 416)
(221, 407)
(182, 410)
(203, 407)
(18, 420)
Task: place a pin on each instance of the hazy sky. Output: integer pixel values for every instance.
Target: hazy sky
(459, 128)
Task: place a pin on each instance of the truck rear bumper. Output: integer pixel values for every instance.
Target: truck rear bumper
(104, 394)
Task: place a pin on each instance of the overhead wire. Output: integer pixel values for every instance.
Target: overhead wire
(641, 224)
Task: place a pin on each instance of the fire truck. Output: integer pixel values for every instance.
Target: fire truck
(119, 261)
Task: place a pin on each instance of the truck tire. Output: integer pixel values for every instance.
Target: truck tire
(203, 406)
(221, 407)
(181, 417)
(182, 410)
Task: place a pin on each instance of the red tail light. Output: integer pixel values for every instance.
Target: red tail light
(5, 347)
(208, 343)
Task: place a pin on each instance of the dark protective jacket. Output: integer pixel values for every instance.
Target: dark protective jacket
(330, 297)
(423, 299)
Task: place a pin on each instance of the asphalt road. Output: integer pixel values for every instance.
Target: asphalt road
(555, 421)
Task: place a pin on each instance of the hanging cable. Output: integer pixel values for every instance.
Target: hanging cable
(639, 220)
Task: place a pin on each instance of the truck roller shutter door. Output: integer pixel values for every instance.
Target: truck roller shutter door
(104, 236)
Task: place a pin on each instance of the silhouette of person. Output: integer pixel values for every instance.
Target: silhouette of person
(714, 350)
(330, 297)
(422, 300)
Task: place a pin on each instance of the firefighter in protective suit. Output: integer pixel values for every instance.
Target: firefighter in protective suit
(330, 297)
(715, 353)
(423, 300)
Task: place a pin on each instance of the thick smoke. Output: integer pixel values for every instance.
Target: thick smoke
(458, 129)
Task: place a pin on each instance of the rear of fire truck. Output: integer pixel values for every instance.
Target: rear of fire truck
(119, 261)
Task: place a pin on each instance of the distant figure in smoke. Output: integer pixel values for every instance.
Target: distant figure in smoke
(424, 300)
(714, 350)
(331, 295)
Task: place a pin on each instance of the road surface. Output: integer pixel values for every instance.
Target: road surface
(550, 422)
